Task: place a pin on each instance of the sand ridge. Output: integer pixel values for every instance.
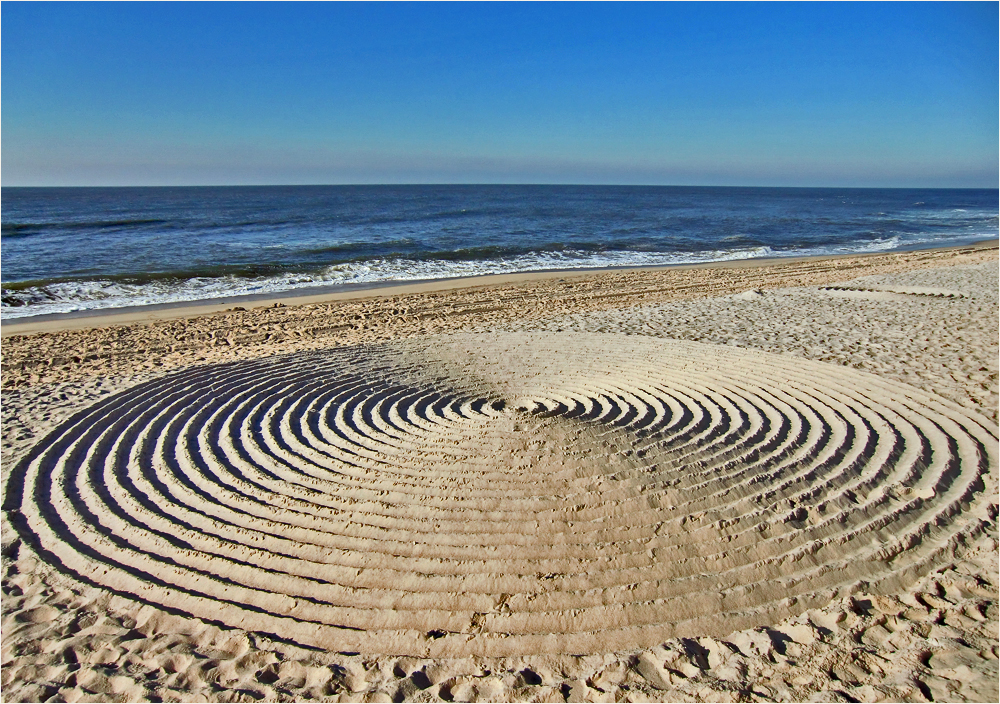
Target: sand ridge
(566, 493)
(388, 451)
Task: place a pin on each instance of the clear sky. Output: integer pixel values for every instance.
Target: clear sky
(815, 94)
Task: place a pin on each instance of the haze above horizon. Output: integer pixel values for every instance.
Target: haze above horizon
(826, 94)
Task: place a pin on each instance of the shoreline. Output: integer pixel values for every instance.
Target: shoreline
(95, 318)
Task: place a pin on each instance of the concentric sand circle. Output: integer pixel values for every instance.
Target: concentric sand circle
(506, 494)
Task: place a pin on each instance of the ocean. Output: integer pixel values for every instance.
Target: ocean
(77, 249)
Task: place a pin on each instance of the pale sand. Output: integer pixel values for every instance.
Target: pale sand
(755, 482)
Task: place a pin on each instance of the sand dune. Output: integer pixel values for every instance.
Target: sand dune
(556, 511)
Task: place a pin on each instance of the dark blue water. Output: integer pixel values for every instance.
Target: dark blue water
(67, 249)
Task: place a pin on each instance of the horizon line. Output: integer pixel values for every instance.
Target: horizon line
(549, 185)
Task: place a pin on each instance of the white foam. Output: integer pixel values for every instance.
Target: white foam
(104, 294)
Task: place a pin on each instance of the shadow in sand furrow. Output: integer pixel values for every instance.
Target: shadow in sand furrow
(595, 485)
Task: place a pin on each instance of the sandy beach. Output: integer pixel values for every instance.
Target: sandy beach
(758, 481)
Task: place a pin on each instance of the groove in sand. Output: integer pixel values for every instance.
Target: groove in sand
(506, 494)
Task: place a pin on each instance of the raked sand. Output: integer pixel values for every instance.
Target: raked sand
(767, 481)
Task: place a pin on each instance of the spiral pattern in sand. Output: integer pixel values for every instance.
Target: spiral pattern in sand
(506, 494)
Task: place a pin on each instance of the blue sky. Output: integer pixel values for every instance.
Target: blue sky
(824, 94)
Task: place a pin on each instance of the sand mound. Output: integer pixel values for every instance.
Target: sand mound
(506, 494)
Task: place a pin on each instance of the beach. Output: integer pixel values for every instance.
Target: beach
(758, 480)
